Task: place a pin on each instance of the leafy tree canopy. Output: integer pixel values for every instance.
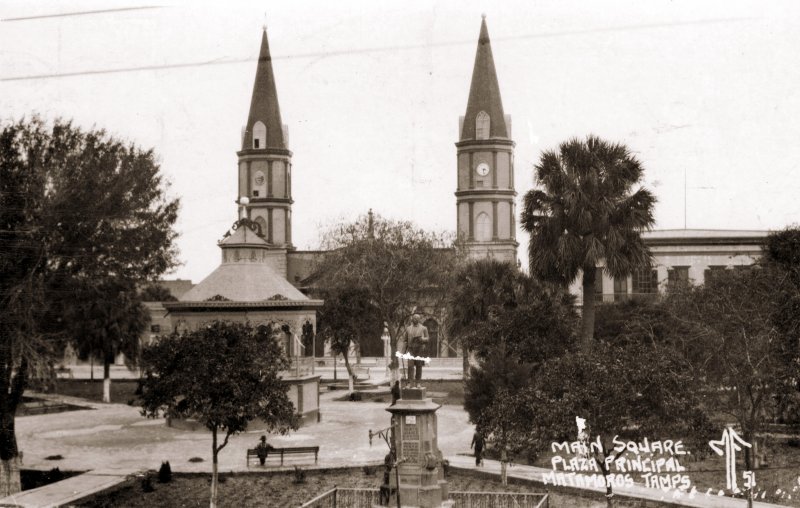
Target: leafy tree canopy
(156, 293)
(76, 206)
(225, 375)
(397, 266)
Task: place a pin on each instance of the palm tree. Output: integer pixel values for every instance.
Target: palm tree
(478, 287)
(590, 207)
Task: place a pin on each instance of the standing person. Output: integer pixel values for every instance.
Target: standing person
(478, 443)
(416, 346)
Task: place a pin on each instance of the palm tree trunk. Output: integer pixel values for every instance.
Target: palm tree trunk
(587, 318)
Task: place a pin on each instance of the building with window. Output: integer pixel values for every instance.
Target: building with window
(680, 256)
(485, 220)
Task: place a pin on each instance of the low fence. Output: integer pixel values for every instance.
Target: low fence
(345, 498)
(300, 366)
(367, 498)
(499, 500)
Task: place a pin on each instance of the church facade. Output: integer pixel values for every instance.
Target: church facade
(485, 218)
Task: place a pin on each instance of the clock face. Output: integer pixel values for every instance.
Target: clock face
(482, 169)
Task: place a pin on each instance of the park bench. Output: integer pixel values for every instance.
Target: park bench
(252, 453)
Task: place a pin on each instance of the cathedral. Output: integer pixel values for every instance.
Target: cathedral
(261, 273)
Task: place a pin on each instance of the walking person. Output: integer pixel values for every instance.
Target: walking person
(478, 443)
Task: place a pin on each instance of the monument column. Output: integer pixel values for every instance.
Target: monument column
(419, 461)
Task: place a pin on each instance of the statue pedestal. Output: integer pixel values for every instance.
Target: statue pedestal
(420, 469)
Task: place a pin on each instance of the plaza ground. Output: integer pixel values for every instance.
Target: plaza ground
(113, 441)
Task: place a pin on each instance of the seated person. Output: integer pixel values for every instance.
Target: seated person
(262, 450)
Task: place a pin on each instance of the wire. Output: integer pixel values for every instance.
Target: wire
(80, 13)
(383, 49)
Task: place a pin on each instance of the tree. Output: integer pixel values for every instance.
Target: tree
(107, 320)
(76, 206)
(590, 207)
(225, 375)
(156, 293)
(478, 286)
(739, 353)
(513, 323)
(634, 391)
(347, 318)
(782, 253)
(399, 267)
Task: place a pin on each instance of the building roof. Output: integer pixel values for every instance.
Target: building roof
(484, 92)
(246, 274)
(689, 237)
(244, 281)
(264, 103)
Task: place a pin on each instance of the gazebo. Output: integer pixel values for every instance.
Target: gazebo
(250, 286)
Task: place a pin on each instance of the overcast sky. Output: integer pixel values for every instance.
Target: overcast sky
(372, 91)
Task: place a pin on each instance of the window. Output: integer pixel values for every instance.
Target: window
(620, 288)
(598, 285)
(678, 277)
(155, 328)
(644, 281)
(255, 193)
(483, 228)
(482, 124)
(259, 135)
(712, 271)
(262, 226)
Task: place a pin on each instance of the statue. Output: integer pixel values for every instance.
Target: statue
(416, 336)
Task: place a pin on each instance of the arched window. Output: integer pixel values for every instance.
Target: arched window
(262, 226)
(259, 135)
(483, 227)
(482, 125)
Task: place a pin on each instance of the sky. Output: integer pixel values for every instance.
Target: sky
(704, 93)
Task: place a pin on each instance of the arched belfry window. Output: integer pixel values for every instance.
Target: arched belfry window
(259, 135)
(483, 227)
(262, 226)
(482, 124)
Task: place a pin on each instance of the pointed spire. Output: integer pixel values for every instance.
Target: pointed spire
(484, 92)
(264, 104)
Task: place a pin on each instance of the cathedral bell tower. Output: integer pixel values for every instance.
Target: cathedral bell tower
(265, 162)
(485, 154)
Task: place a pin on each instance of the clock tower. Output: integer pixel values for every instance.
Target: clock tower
(265, 162)
(485, 153)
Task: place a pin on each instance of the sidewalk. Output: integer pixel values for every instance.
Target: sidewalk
(69, 490)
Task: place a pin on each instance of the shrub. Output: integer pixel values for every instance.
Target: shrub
(355, 396)
(165, 473)
(299, 475)
(196, 459)
(55, 475)
(54, 457)
(793, 442)
(368, 470)
(147, 484)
